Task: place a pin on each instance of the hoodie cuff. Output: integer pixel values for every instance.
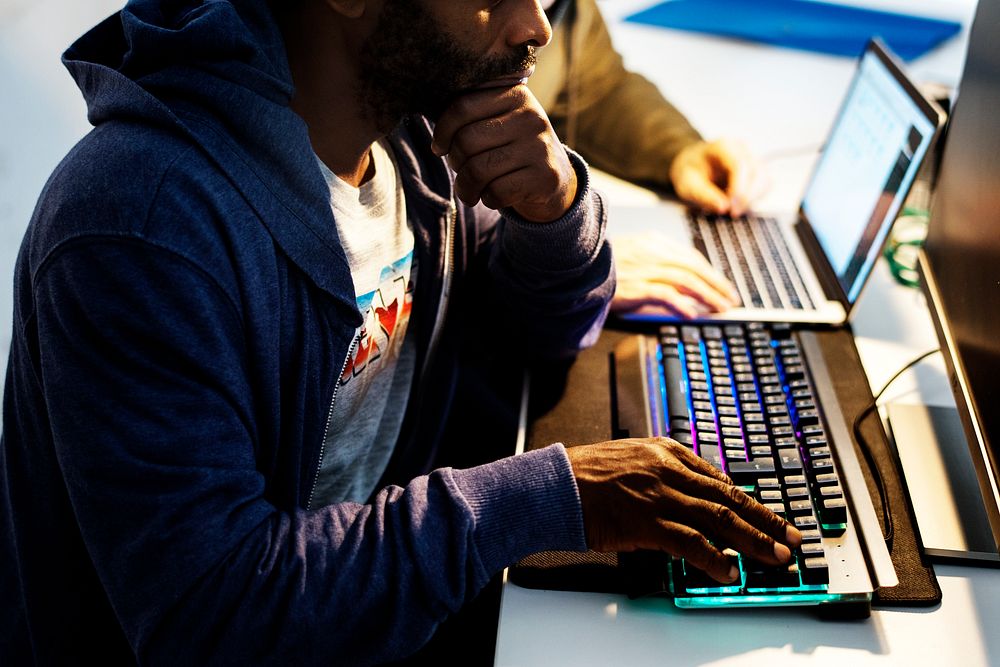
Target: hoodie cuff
(565, 244)
(523, 505)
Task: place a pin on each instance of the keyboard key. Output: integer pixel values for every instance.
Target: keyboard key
(711, 454)
(790, 459)
(677, 406)
(808, 417)
(801, 506)
(769, 483)
(777, 508)
(696, 581)
(680, 424)
(811, 549)
(746, 473)
(690, 334)
(822, 466)
(833, 514)
(832, 491)
(811, 535)
(827, 478)
(769, 577)
(815, 571)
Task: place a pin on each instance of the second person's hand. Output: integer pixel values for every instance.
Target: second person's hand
(658, 276)
(718, 176)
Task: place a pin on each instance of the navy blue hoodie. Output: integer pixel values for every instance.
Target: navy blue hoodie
(183, 310)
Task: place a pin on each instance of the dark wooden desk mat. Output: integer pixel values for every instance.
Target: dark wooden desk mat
(571, 405)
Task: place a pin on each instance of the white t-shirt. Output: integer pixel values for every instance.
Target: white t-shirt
(371, 395)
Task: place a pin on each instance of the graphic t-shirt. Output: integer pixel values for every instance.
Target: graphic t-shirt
(372, 391)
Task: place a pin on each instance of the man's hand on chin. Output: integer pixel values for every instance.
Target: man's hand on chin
(505, 153)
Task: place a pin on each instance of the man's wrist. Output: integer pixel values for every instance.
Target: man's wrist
(565, 243)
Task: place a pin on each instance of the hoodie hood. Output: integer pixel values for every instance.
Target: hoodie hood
(216, 71)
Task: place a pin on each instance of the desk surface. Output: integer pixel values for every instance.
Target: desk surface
(793, 97)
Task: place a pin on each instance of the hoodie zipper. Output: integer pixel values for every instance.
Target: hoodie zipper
(449, 261)
(329, 420)
(442, 309)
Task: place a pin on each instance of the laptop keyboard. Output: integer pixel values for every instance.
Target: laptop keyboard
(741, 397)
(753, 255)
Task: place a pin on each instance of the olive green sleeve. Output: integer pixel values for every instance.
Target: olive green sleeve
(616, 119)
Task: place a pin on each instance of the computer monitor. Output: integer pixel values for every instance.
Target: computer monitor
(960, 262)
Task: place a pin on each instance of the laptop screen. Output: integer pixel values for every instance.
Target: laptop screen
(873, 153)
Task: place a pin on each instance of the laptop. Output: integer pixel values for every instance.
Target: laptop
(812, 266)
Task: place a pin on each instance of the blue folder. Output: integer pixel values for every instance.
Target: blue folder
(802, 24)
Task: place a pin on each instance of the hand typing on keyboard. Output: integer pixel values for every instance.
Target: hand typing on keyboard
(653, 493)
(656, 275)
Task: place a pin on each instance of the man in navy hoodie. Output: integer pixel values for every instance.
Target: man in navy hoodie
(237, 310)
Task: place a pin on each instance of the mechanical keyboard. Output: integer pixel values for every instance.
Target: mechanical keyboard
(742, 397)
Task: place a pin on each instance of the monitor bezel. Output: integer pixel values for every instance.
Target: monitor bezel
(985, 464)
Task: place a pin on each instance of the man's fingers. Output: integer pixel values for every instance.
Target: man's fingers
(696, 464)
(471, 108)
(687, 543)
(662, 296)
(698, 189)
(645, 260)
(481, 172)
(716, 297)
(739, 521)
(719, 177)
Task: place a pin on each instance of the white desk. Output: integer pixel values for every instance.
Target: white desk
(796, 97)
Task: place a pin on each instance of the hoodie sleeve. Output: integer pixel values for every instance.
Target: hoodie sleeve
(153, 427)
(556, 279)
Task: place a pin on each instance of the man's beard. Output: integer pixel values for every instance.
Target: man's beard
(411, 66)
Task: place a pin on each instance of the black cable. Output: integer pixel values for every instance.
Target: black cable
(888, 530)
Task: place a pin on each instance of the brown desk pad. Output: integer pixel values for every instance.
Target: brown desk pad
(571, 405)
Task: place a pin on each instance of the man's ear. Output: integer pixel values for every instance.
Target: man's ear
(352, 9)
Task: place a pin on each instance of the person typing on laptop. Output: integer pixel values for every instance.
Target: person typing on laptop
(238, 306)
(620, 123)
